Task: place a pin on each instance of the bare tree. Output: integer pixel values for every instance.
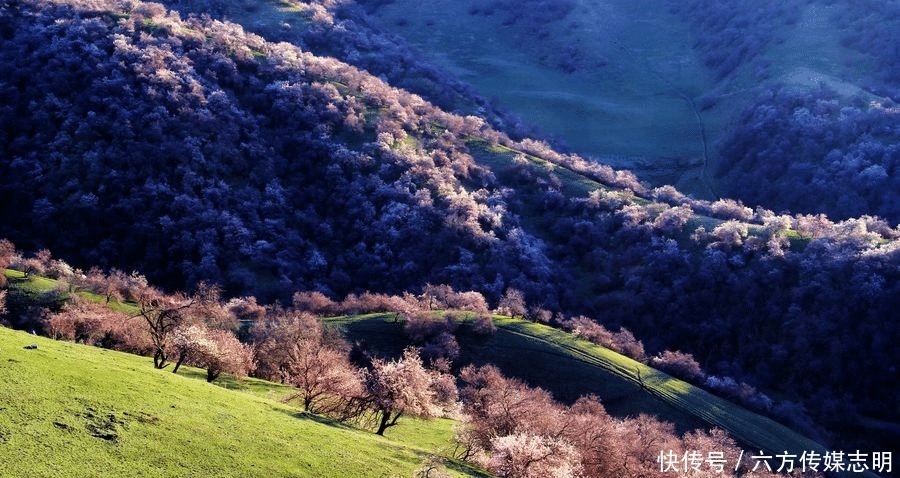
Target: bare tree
(433, 467)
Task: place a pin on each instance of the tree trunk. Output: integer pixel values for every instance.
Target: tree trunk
(179, 362)
(383, 424)
(386, 421)
(212, 374)
(159, 359)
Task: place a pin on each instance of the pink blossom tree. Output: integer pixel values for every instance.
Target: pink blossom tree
(403, 387)
(217, 351)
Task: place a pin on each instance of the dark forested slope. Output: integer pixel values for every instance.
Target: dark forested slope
(342, 30)
(197, 152)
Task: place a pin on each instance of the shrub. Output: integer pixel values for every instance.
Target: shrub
(680, 365)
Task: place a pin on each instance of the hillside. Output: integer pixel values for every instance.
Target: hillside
(109, 414)
(587, 73)
(570, 367)
(107, 402)
(664, 88)
(191, 151)
(104, 387)
(541, 355)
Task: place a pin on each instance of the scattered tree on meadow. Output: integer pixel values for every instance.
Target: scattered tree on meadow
(215, 350)
(228, 355)
(296, 348)
(433, 467)
(189, 341)
(320, 369)
(513, 303)
(163, 313)
(540, 315)
(404, 387)
(314, 302)
(590, 330)
(434, 296)
(32, 267)
(469, 301)
(109, 286)
(622, 341)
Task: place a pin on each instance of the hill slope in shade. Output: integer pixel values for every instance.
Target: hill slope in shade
(572, 367)
(73, 411)
(614, 80)
(658, 87)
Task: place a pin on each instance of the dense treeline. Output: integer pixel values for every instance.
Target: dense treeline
(813, 153)
(517, 431)
(195, 152)
(807, 151)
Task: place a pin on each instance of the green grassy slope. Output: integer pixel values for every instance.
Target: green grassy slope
(527, 357)
(71, 411)
(558, 361)
(62, 396)
(38, 285)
